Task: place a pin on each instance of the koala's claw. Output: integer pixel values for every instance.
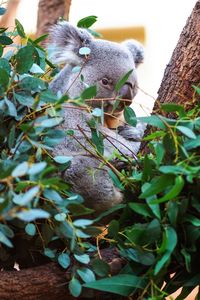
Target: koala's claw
(132, 133)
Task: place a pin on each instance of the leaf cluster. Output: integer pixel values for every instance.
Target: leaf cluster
(157, 229)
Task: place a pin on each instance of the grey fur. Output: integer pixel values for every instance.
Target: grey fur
(107, 60)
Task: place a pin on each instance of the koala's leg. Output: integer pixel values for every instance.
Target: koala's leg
(93, 183)
(132, 133)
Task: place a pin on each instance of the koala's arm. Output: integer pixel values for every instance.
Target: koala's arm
(87, 175)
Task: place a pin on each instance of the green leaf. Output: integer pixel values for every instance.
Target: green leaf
(4, 80)
(174, 192)
(83, 223)
(172, 211)
(89, 93)
(142, 234)
(192, 144)
(20, 170)
(122, 81)
(24, 99)
(62, 159)
(187, 258)
(122, 284)
(40, 38)
(20, 29)
(24, 59)
(32, 214)
(64, 260)
(4, 64)
(61, 217)
(5, 40)
(97, 140)
(193, 220)
(87, 22)
(37, 168)
(187, 132)
(84, 51)
(159, 152)
(30, 229)
(48, 123)
(4, 240)
(11, 109)
(155, 208)
(52, 195)
(11, 137)
(100, 267)
(86, 275)
(24, 199)
(30, 83)
(76, 69)
(153, 120)
(130, 116)
(113, 228)
(140, 208)
(157, 185)
(172, 169)
(139, 256)
(5, 229)
(170, 239)
(109, 211)
(97, 112)
(197, 89)
(83, 258)
(172, 107)
(35, 69)
(115, 180)
(49, 253)
(75, 287)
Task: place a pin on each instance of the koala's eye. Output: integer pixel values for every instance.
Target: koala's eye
(105, 81)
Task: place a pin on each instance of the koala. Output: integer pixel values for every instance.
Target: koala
(106, 63)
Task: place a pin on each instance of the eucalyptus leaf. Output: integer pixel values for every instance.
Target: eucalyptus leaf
(75, 287)
(64, 260)
(32, 215)
(122, 284)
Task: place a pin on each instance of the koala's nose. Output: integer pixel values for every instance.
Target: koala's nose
(126, 92)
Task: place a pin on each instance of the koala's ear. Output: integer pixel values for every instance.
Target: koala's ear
(136, 49)
(67, 40)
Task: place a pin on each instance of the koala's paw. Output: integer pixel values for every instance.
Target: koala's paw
(132, 133)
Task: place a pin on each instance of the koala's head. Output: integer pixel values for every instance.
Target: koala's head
(106, 64)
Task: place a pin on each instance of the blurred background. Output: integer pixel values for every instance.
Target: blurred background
(156, 23)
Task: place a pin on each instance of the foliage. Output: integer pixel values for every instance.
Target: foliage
(157, 231)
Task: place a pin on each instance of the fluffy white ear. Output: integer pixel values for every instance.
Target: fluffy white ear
(136, 49)
(67, 40)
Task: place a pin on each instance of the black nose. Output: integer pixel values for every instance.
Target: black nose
(126, 91)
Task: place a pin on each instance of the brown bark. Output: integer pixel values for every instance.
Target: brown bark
(183, 70)
(8, 20)
(43, 282)
(49, 11)
(48, 281)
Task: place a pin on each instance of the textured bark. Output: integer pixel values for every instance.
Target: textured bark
(8, 20)
(49, 11)
(48, 281)
(183, 70)
(43, 282)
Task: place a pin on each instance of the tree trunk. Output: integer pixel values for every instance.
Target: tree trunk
(49, 281)
(49, 11)
(183, 70)
(43, 282)
(8, 20)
